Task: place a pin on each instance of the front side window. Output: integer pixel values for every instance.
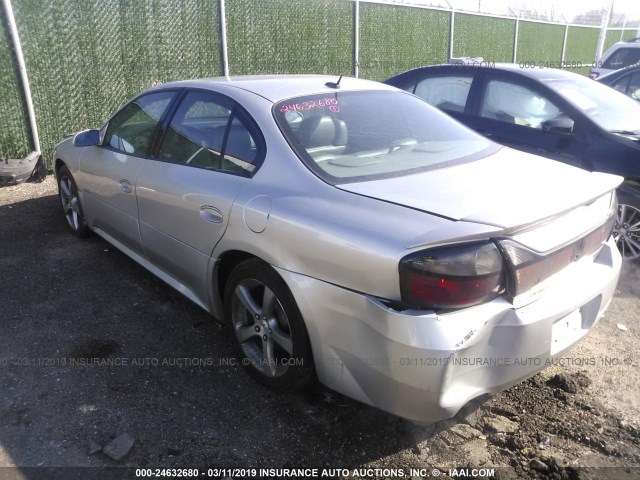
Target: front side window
(445, 92)
(210, 132)
(512, 103)
(131, 130)
(609, 110)
(358, 136)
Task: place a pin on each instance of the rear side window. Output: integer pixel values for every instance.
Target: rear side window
(132, 129)
(210, 132)
(448, 93)
(623, 57)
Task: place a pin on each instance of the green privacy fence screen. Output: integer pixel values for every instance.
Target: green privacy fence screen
(582, 42)
(618, 35)
(84, 58)
(539, 43)
(486, 37)
(290, 36)
(394, 39)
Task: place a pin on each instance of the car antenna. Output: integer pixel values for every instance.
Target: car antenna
(334, 84)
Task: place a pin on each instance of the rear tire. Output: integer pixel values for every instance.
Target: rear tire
(626, 229)
(71, 207)
(267, 327)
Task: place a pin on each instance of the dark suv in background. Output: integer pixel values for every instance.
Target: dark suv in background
(619, 55)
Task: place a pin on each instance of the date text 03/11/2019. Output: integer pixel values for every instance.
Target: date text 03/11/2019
(314, 472)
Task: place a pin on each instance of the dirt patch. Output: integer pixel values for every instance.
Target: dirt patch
(97, 352)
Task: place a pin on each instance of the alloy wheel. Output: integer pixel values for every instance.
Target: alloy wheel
(70, 203)
(262, 327)
(626, 231)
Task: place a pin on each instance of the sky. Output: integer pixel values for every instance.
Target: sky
(560, 8)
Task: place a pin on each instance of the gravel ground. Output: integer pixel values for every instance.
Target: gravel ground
(68, 306)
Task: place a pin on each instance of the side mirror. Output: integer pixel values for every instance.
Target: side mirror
(87, 138)
(560, 125)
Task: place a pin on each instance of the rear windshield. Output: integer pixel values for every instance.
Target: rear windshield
(358, 136)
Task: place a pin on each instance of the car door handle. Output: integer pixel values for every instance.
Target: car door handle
(211, 214)
(125, 186)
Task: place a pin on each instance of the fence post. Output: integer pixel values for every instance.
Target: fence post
(603, 32)
(24, 78)
(223, 39)
(564, 43)
(451, 30)
(356, 39)
(515, 41)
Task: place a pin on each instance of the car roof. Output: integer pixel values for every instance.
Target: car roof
(533, 73)
(279, 87)
(631, 43)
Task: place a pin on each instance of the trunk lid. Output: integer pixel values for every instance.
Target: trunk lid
(508, 190)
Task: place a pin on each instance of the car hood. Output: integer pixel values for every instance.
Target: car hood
(509, 189)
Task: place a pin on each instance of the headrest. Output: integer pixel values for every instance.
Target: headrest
(322, 131)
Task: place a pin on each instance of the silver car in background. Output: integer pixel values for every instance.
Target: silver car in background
(346, 230)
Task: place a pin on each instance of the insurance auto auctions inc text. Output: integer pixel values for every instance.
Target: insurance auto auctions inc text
(362, 473)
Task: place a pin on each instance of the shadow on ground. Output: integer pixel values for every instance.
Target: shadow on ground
(94, 346)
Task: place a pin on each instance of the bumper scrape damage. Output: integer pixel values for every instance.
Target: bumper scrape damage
(425, 366)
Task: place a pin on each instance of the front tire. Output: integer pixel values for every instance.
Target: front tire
(71, 208)
(268, 330)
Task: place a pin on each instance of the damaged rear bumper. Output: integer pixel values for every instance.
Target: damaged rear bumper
(425, 366)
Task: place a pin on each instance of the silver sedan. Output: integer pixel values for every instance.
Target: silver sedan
(347, 231)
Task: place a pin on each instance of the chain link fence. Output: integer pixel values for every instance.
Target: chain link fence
(84, 58)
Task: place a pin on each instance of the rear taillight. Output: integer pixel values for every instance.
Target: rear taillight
(464, 275)
(529, 268)
(451, 277)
